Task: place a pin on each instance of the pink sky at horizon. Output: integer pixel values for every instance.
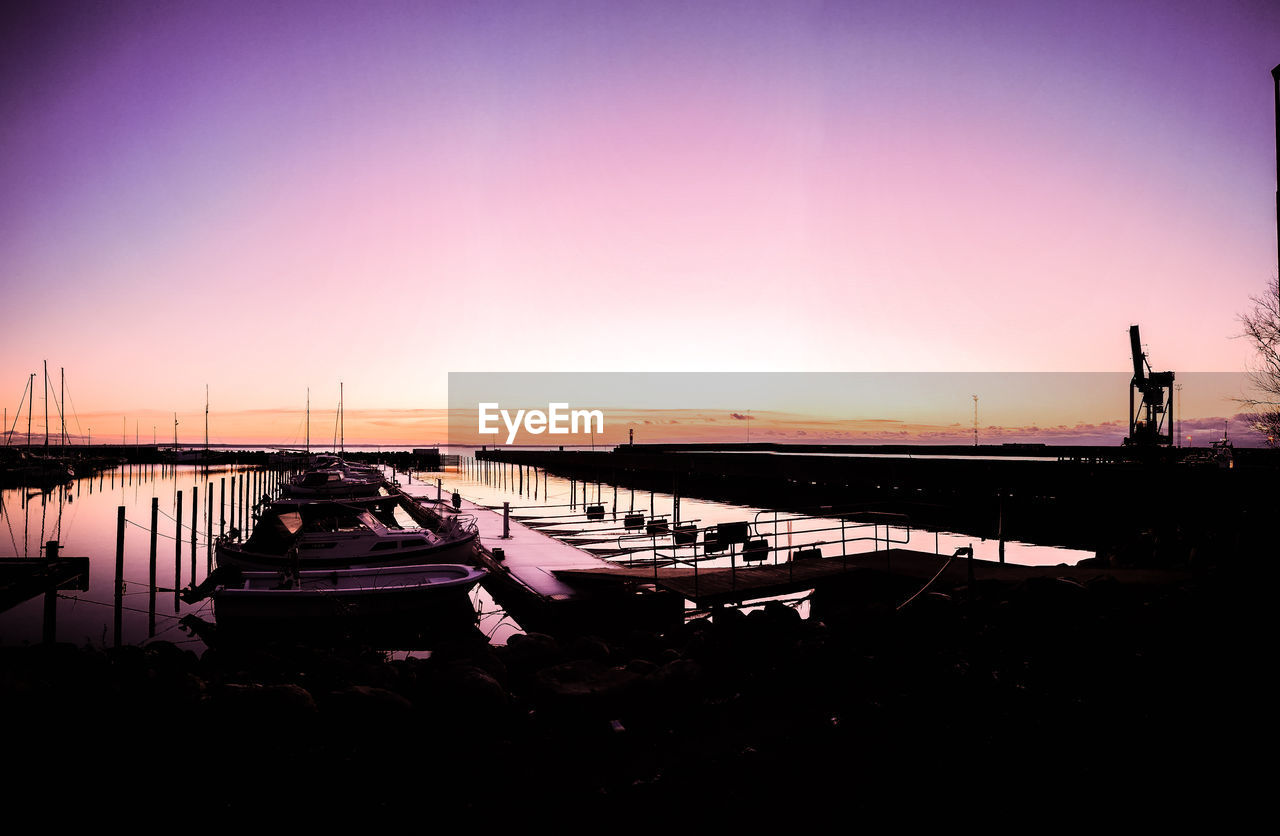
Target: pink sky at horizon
(270, 198)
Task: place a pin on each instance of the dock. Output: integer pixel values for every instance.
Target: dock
(553, 586)
(23, 578)
(536, 577)
(708, 588)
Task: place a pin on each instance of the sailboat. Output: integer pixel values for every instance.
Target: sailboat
(25, 467)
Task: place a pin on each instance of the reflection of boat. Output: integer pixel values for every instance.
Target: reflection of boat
(334, 534)
(315, 604)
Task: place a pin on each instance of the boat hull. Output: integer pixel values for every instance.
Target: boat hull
(396, 604)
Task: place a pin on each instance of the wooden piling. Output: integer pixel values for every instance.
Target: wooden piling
(208, 540)
(151, 577)
(195, 522)
(119, 572)
(222, 506)
(177, 553)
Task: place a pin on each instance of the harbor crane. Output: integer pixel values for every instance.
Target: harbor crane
(1150, 401)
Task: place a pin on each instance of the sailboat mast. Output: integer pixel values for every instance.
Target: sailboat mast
(342, 423)
(31, 386)
(62, 405)
(206, 422)
(46, 405)
(308, 423)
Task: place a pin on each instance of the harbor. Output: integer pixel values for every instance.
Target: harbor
(637, 668)
(638, 417)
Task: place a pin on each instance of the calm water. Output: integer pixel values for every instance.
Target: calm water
(82, 516)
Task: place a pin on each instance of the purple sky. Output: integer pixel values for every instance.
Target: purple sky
(269, 196)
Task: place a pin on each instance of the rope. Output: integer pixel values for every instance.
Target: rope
(927, 585)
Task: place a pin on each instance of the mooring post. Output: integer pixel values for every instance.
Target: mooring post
(119, 571)
(439, 491)
(233, 502)
(222, 506)
(506, 521)
(177, 553)
(208, 537)
(1000, 524)
(195, 522)
(151, 590)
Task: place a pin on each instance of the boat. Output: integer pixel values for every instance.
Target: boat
(31, 470)
(347, 602)
(333, 478)
(353, 533)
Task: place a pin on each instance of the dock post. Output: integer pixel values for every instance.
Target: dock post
(119, 571)
(195, 522)
(439, 490)
(222, 506)
(177, 553)
(208, 536)
(233, 502)
(1000, 525)
(844, 548)
(151, 611)
(506, 521)
(522, 480)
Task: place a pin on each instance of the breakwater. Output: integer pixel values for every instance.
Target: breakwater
(1088, 498)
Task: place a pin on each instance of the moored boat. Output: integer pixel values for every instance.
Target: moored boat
(333, 478)
(347, 602)
(343, 534)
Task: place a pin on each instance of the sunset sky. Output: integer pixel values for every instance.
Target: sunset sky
(265, 197)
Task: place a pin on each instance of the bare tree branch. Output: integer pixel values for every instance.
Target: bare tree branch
(1261, 327)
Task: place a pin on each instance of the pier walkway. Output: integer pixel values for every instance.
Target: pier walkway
(553, 586)
(528, 575)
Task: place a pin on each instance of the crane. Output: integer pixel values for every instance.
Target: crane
(1150, 400)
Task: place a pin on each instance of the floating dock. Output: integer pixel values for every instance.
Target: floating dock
(529, 575)
(552, 586)
(23, 578)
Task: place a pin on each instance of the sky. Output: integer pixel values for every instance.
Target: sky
(276, 200)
